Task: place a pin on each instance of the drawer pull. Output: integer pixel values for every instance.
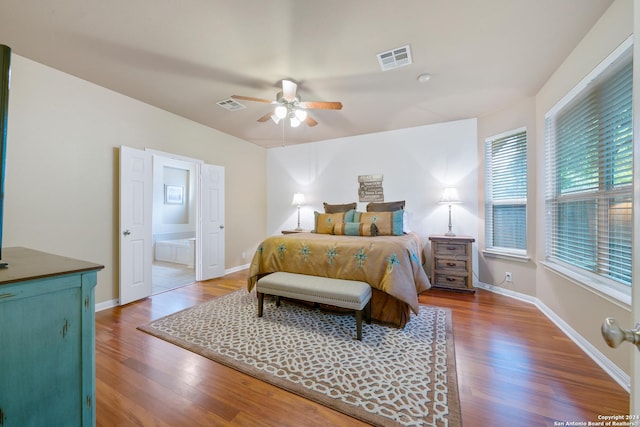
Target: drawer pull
(451, 264)
(65, 328)
(451, 248)
(451, 279)
(7, 295)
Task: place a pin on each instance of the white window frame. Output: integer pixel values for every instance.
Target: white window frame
(490, 248)
(608, 288)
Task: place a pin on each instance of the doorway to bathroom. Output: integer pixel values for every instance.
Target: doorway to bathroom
(173, 224)
(186, 194)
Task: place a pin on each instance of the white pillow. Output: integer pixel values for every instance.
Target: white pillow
(405, 222)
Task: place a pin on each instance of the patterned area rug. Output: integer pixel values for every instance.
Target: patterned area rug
(393, 377)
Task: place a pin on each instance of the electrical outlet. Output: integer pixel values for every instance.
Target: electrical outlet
(244, 255)
(508, 277)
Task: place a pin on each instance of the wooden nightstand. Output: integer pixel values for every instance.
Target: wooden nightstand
(294, 231)
(451, 263)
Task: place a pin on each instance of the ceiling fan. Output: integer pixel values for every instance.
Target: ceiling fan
(290, 106)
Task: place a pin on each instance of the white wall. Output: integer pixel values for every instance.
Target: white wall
(417, 163)
(61, 192)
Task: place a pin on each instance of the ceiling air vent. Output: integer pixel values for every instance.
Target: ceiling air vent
(395, 58)
(231, 104)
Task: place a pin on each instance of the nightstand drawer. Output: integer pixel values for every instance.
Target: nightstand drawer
(450, 249)
(458, 282)
(451, 264)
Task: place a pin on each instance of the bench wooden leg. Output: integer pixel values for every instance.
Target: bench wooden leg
(359, 324)
(367, 317)
(260, 303)
(367, 312)
(277, 301)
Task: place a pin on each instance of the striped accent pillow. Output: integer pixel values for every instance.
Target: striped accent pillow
(388, 223)
(355, 229)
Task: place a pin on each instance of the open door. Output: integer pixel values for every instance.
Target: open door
(136, 189)
(635, 295)
(210, 239)
(612, 332)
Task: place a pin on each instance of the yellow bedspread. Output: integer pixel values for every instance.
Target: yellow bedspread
(392, 264)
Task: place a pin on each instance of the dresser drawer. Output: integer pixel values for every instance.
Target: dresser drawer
(450, 249)
(451, 264)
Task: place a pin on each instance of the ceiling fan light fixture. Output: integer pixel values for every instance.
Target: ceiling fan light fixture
(281, 111)
(289, 106)
(301, 115)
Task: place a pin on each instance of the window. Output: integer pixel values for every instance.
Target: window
(506, 192)
(589, 152)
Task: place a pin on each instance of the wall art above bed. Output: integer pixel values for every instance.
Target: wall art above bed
(370, 188)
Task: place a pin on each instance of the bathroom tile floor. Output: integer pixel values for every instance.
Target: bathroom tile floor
(168, 275)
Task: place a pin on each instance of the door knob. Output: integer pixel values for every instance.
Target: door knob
(221, 227)
(126, 232)
(614, 335)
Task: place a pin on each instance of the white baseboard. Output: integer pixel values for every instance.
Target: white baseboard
(618, 375)
(235, 269)
(106, 305)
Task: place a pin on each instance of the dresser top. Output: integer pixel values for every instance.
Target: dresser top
(28, 264)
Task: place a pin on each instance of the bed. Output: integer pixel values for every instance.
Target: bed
(390, 264)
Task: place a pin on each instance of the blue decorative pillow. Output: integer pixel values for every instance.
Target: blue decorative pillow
(349, 216)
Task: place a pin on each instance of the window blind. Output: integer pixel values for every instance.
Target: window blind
(506, 192)
(589, 152)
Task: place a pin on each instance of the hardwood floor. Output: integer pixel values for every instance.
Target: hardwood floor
(515, 368)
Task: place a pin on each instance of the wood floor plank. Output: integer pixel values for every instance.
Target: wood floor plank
(515, 367)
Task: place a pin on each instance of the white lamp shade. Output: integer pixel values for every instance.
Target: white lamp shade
(295, 122)
(275, 118)
(450, 196)
(281, 111)
(298, 199)
(301, 115)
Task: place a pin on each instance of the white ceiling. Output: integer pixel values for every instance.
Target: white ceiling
(185, 55)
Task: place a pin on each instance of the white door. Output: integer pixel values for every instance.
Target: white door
(635, 281)
(210, 236)
(136, 189)
(635, 296)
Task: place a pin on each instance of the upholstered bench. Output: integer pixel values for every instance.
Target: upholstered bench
(349, 294)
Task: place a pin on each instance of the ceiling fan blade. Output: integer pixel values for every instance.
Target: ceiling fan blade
(320, 105)
(265, 117)
(249, 98)
(289, 89)
(309, 121)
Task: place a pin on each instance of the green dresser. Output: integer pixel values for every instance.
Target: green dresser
(47, 340)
